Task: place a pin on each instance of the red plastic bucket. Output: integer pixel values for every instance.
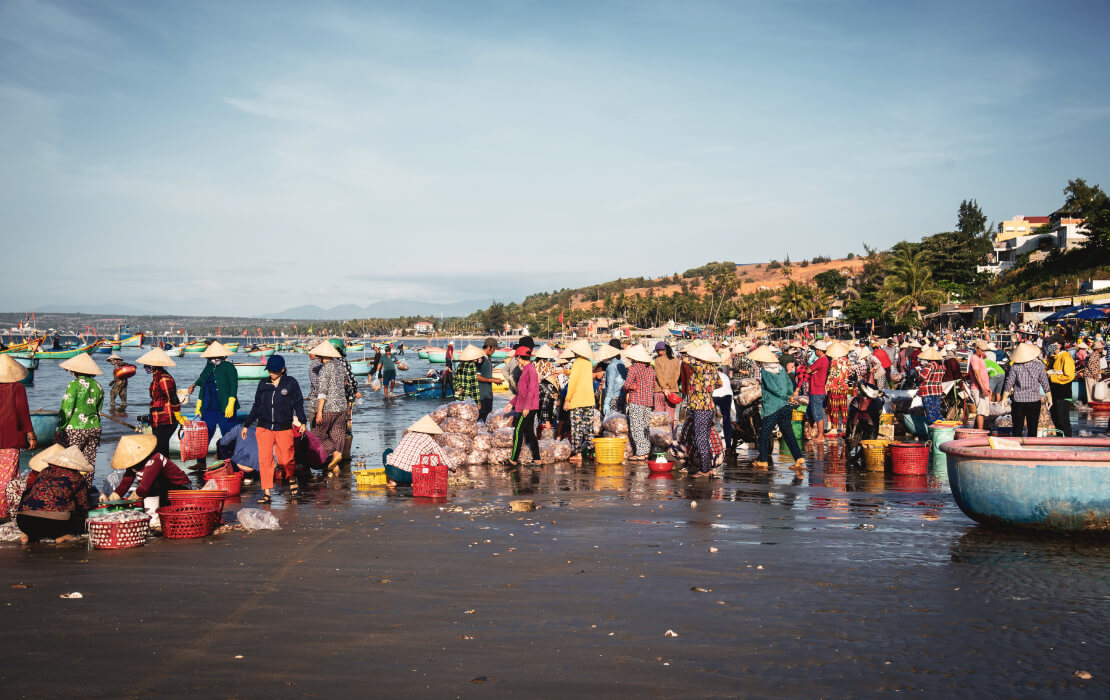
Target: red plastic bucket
(910, 457)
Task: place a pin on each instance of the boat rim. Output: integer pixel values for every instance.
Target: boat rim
(979, 448)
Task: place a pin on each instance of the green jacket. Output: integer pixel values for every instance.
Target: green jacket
(777, 388)
(227, 382)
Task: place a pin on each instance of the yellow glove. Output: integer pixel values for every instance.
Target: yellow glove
(230, 412)
(199, 402)
(179, 418)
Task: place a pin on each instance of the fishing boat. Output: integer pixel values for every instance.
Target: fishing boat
(360, 368)
(261, 352)
(501, 354)
(1057, 485)
(31, 365)
(422, 353)
(356, 347)
(135, 341)
(28, 362)
(251, 371)
(54, 354)
(232, 347)
(176, 351)
(45, 424)
(427, 388)
(437, 356)
(195, 346)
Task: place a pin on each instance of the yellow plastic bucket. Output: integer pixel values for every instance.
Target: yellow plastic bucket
(370, 477)
(609, 450)
(876, 454)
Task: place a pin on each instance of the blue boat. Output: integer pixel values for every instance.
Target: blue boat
(1057, 485)
(45, 424)
(427, 388)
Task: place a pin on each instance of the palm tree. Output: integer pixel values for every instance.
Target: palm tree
(909, 285)
(796, 301)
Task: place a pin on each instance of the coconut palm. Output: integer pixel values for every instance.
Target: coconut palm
(909, 285)
(796, 301)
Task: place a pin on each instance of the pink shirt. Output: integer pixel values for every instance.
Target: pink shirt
(977, 368)
(818, 374)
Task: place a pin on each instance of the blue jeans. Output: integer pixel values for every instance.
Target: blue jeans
(724, 405)
(816, 410)
(214, 418)
(781, 418)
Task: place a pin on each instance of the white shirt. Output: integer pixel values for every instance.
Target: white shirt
(725, 388)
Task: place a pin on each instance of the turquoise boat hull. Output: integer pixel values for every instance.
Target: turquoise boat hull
(427, 389)
(501, 354)
(422, 354)
(360, 368)
(1059, 485)
(261, 353)
(251, 371)
(45, 424)
(438, 358)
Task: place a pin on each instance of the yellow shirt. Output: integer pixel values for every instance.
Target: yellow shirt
(1065, 365)
(580, 387)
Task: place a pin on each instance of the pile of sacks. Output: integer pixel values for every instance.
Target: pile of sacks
(466, 441)
(749, 391)
(659, 426)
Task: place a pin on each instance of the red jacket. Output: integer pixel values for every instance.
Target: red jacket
(15, 418)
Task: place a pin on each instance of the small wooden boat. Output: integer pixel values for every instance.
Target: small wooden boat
(437, 356)
(45, 424)
(176, 351)
(232, 347)
(1051, 484)
(135, 341)
(28, 362)
(356, 347)
(195, 347)
(251, 371)
(261, 352)
(57, 354)
(427, 388)
(422, 353)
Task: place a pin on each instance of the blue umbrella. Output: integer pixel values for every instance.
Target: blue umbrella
(1061, 314)
(1091, 313)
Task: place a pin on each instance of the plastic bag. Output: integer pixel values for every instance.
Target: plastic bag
(459, 425)
(661, 438)
(477, 457)
(258, 519)
(455, 456)
(595, 425)
(503, 437)
(375, 385)
(439, 415)
(456, 440)
(466, 410)
(499, 454)
(616, 423)
(482, 442)
(659, 419)
(499, 419)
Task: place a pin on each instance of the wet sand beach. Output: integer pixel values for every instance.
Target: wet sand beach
(835, 583)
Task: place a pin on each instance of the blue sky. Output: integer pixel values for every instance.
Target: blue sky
(245, 157)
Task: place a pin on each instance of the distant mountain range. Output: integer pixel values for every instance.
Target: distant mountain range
(390, 308)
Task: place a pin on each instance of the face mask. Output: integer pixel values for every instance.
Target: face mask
(217, 360)
(149, 369)
(772, 367)
(811, 357)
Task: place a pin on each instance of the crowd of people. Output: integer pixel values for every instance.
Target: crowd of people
(554, 392)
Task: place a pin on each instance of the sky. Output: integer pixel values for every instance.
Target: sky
(240, 158)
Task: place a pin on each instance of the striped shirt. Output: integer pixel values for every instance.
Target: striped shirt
(930, 374)
(640, 384)
(1024, 380)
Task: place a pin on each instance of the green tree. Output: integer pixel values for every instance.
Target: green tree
(1091, 204)
(796, 301)
(830, 281)
(909, 286)
(861, 311)
(971, 221)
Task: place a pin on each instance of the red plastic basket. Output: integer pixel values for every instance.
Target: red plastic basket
(910, 457)
(429, 480)
(186, 522)
(232, 483)
(194, 440)
(222, 470)
(118, 535)
(212, 498)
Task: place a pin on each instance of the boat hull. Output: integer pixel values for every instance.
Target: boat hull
(360, 368)
(251, 371)
(135, 341)
(58, 354)
(45, 424)
(1057, 485)
(427, 389)
(438, 358)
(261, 353)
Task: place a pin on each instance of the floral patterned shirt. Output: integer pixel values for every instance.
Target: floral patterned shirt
(839, 372)
(81, 404)
(704, 379)
(1092, 368)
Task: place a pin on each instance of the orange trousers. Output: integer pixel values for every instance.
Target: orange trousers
(267, 441)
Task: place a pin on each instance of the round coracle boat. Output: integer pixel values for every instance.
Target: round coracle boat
(1046, 484)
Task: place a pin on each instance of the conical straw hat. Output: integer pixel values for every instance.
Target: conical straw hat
(216, 349)
(637, 353)
(58, 456)
(863, 352)
(607, 352)
(930, 353)
(837, 349)
(1024, 353)
(11, 371)
(705, 352)
(324, 349)
(763, 354)
(82, 364)
(133, 449)
(425, 425)
(582, 349)
(470, 353)
(544, 352)
(567, 354)
(156, 358)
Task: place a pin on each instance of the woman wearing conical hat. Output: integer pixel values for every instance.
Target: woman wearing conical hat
(219, 388)
(136, 456)
(57, 497)
(930, 389)
(16, 431)
(79, 417)
(837, 386)
(329, 405)
(1026, 380)
(415, 443)
(165, 407)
